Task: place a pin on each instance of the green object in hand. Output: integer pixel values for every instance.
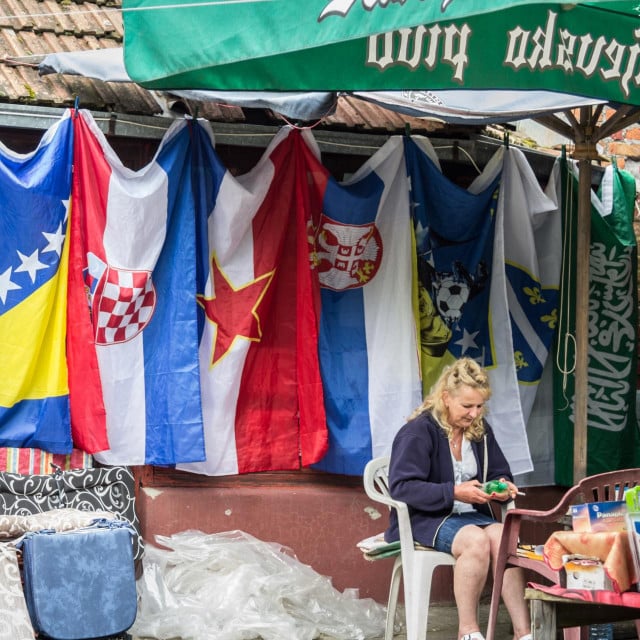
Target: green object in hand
(495, 486)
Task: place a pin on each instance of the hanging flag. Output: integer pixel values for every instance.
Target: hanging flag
(34, 393)
(261, 387)
(139, 274)
(368, 342)
(479, 284)
(532, 255)
(523, 304)
(88, 413)
(540, 421)
(613, 441)
(455, 230)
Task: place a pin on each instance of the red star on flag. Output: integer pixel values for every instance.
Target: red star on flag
(234, 309)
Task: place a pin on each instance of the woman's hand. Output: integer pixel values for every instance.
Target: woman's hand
(471, 492)
(504, 496)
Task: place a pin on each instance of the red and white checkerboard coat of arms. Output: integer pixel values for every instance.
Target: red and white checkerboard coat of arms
(347, 256)
(122, 301)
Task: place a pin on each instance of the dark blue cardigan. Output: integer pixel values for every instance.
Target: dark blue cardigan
(421, 474)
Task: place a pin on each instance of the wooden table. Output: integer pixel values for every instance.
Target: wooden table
(550, 613)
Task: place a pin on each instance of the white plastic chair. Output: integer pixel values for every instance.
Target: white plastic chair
(416, 562)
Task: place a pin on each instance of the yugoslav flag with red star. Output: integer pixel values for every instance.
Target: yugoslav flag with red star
(262, 396)
(136, 268)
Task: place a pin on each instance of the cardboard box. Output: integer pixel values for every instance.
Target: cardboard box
(585, 573)
(599, 516)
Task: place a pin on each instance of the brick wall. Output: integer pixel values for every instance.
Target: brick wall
(624, 146)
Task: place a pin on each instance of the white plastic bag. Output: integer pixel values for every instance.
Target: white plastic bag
(232, 586)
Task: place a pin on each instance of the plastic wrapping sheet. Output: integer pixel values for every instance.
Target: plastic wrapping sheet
(232, 586)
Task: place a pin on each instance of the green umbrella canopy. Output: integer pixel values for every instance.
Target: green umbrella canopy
(584, 48)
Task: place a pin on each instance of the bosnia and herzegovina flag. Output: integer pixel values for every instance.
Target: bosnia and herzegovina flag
(138, 269)
(34, 394)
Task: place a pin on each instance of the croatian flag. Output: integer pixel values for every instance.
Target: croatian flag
(34, 393)
(139, 274)
(259, 299)
(368, 345)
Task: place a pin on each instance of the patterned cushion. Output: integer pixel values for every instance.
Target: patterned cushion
(109, 489)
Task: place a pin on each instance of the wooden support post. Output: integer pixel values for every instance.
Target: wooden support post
(543, 620)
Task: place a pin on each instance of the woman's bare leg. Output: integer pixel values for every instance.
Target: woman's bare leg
(471, 548)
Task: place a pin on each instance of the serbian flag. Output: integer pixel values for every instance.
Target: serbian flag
(261, 387)
(368, 343)
(138, 269)
(34, 393)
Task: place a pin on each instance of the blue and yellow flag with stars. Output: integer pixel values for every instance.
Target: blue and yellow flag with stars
(34, 395)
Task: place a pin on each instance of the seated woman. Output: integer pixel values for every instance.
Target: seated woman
(439, 462)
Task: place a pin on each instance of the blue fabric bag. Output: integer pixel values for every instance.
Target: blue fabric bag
(81, 583)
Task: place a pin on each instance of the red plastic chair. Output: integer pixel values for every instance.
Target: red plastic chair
(603, 487)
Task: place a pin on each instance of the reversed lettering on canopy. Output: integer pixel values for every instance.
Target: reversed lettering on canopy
(544, 48)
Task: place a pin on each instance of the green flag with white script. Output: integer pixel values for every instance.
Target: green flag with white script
(612, 431)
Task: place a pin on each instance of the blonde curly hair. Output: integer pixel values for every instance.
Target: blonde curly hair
(463, 372)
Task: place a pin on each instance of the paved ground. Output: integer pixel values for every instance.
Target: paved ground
(443, 624)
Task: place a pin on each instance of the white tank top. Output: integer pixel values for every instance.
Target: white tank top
(464, 470)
